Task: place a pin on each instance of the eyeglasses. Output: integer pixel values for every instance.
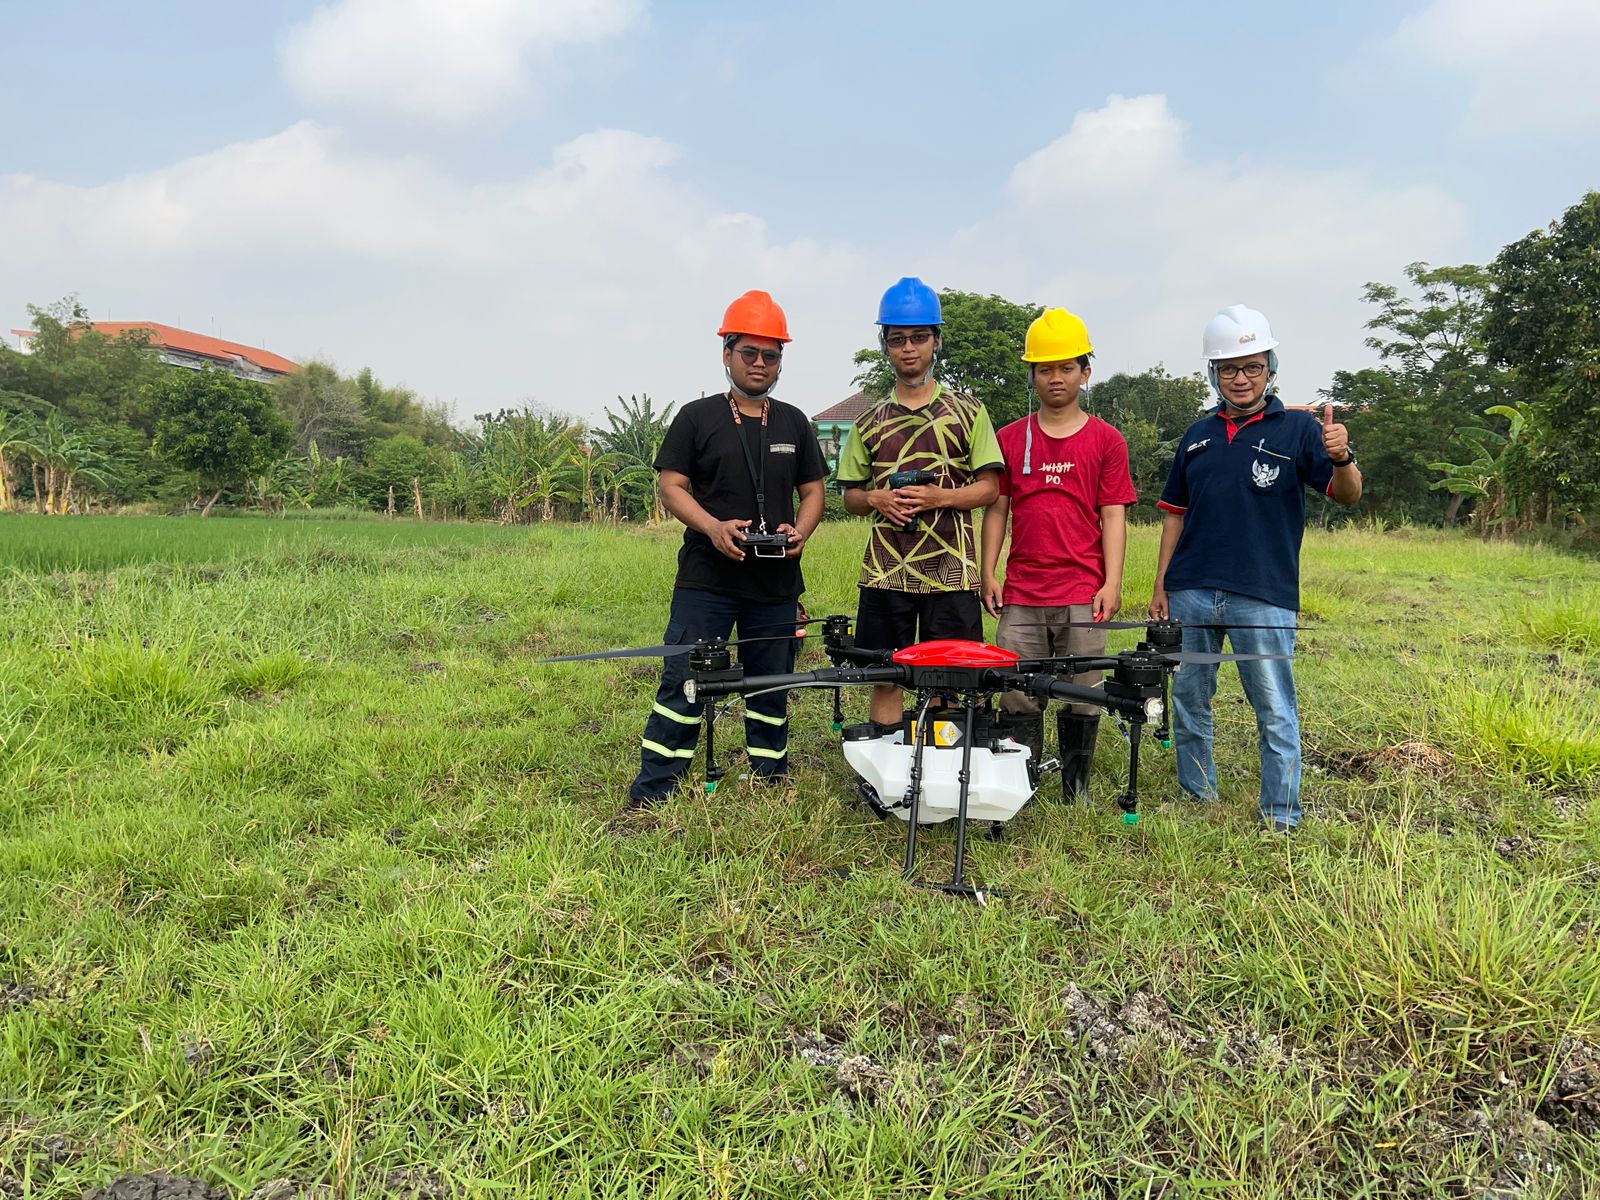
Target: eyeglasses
(920, 337)
(751, 353)
(1251, 370)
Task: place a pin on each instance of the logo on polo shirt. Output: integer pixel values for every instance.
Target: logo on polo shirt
(1264, 475)
(782, 447)
(1200, 445)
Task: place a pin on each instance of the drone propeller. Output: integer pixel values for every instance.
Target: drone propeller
(657, 651)
(1223, 625)
(1205, 656)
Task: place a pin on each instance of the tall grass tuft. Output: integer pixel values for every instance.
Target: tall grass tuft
(1542, 725)
(1566, 623)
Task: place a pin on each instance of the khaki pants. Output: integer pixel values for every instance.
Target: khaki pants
(1044, 633)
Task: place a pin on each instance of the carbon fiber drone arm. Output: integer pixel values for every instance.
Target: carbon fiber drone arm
(1047, 687)
(826, 676)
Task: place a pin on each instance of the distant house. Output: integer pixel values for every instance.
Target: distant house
(181, 348)
(833, 424)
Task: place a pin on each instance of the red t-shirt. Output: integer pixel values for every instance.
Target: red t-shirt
(1056, 556)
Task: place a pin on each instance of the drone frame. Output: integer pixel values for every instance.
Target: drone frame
(971, 673)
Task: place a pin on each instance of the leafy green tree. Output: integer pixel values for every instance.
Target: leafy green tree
(224, 429)
(393, 463)
(393, 410)
(1435, 379)
(323, 408)
(86, 376)
(1151, 410)
(1544, 324)
(981, 354)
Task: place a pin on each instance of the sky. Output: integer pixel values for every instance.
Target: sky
(550, 202)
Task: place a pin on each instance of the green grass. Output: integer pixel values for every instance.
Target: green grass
(309, 873)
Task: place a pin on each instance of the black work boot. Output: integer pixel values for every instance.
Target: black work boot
(1076, 734)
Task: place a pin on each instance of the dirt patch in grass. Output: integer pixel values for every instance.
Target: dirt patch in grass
(1517, 849)
(19, 993)
(1516, 1148)
(1573, 1101)
(1409, 757)
(1114, 1034)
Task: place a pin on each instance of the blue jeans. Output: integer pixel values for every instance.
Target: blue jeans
(673, 727)
(1269, 686)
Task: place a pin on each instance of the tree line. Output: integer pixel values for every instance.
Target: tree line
(1483, 409)
(95, 423)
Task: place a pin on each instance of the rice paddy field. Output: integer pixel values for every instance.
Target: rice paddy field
(313, 884)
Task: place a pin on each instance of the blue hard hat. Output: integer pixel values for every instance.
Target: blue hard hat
(910, 302)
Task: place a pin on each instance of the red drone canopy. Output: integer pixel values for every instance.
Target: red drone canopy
(954, 652)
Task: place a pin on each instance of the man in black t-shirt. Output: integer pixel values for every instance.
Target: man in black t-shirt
(731, 464)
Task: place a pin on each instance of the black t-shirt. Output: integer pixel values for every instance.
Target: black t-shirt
(703, 443)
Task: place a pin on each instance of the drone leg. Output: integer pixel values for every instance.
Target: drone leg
(914, 792)
(1129, 802)
(958, 881)
(714, 773)
(838, 709)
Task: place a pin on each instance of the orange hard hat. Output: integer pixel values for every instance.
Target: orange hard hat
(755, 314)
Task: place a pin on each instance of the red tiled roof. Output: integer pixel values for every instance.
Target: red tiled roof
(198, 343)
(848, 409)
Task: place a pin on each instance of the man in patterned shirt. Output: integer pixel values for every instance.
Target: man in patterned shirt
(920, 576)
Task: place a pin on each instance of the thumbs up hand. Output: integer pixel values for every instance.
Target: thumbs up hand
(1335, 437)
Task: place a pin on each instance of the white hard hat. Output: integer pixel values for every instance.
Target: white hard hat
(1237, 331)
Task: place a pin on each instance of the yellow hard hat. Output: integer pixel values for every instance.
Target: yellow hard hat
(1055, 336)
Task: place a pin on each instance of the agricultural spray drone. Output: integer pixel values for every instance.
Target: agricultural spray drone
(953, 755)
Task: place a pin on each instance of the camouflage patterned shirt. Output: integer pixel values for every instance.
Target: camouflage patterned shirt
(952, 436)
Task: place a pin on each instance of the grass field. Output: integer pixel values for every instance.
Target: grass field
(312, 885)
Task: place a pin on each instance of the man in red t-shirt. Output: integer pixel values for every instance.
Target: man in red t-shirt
(1065, 490)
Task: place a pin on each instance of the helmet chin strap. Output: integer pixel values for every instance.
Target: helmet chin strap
(1272, 382)
(883, 344)
(763, 393)
(1027, 450)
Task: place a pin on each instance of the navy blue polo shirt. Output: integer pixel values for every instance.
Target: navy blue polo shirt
(1241, 489)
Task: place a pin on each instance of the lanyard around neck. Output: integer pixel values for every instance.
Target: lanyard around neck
(758, 475)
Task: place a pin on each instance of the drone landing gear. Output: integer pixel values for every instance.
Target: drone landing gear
(1128, 802)
(958, 884)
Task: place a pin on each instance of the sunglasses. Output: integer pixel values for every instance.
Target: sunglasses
(920, 338)
(750, 354)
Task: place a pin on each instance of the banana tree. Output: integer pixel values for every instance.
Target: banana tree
(1488, 475)
(16, 443)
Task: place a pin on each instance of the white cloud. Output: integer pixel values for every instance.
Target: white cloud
(606, 270)
(438, 60)
(1528, 67)
(1117, 221)
(600, 274)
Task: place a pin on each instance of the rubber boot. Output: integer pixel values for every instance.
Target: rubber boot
(1076, 734)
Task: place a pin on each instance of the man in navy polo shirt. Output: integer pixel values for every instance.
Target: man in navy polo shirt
(1230, 552)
